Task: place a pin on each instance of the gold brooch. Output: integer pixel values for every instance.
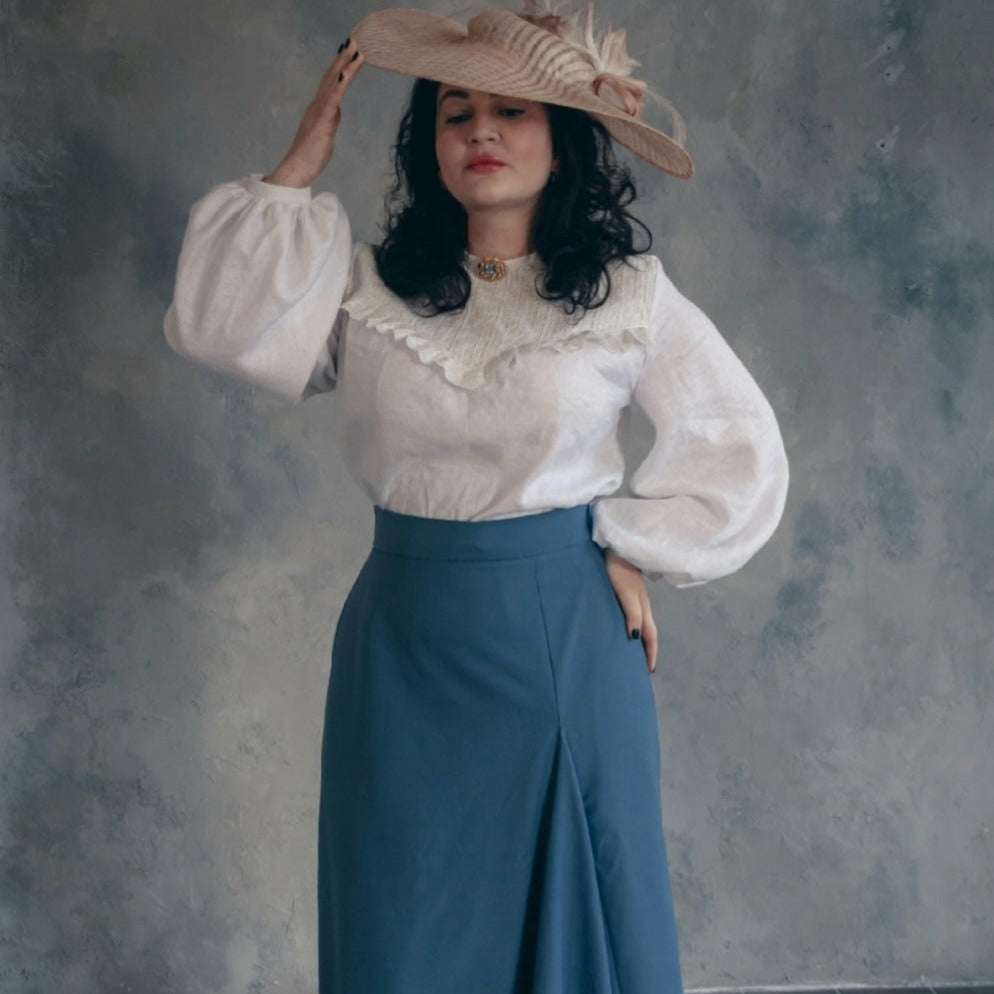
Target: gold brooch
(491, 269)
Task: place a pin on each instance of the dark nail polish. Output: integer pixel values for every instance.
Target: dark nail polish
(635, 633)
(348, 41)
(341, 48)
(354, 57)
(341, 76)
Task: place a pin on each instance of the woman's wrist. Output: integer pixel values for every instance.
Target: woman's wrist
(611, 556)
(288, 174)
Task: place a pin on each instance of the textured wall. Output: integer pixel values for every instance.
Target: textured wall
(175, 548)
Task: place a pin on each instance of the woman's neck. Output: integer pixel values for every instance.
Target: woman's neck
(506, 235)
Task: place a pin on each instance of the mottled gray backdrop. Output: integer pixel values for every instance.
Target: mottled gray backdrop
(175, 547)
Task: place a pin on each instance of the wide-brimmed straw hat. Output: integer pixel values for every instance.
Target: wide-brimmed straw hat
(535, 55)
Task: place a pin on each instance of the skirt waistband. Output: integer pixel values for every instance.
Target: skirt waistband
(506, 538)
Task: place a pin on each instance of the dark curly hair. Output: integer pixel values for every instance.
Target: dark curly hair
(581, 225)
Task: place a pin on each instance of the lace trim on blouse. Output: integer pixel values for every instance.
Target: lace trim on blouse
(504, 318)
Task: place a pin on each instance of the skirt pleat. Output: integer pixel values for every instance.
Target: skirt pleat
(490, 810)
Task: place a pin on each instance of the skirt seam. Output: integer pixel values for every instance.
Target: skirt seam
(548, 649)
(605, 921)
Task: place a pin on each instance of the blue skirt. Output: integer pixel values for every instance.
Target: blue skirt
(490, 810)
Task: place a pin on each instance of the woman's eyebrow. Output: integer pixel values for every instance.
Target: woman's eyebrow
(460, 94)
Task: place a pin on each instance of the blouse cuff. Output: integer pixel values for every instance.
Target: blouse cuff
(258, 187)
(631, 546)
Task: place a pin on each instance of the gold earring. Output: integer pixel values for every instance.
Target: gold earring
(554, 168)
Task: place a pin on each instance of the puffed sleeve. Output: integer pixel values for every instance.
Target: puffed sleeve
(712, 489)
(262, 273)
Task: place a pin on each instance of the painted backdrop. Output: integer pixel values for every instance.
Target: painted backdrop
(175, 547)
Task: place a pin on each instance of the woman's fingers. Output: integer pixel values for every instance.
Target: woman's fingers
(343, 68)
(640, 623)
(316, 135)
(633, 598)
(632, 610)
(314, 143)
(625, 580)
(650, 636)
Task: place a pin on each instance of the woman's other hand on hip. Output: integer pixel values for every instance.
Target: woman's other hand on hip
(629, 587)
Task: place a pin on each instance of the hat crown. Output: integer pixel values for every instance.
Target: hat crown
(530, 44)
(564, 50)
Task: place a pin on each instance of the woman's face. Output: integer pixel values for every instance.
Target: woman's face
(494, 153)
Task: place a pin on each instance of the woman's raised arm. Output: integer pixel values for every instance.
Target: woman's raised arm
(264, 265)
(314, 143)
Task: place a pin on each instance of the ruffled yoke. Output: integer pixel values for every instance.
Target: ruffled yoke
(503, 318)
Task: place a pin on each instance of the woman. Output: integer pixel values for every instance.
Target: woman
(490, 809)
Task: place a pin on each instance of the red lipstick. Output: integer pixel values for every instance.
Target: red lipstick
(485, 164)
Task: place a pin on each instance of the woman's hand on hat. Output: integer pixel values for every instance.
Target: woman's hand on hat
(629, 587)
(314, 142)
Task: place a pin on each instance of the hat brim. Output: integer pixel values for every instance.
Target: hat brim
(420, 44)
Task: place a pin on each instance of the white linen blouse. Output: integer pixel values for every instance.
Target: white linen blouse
(506, 408)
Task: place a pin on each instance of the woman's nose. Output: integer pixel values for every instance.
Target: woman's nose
(484, 128)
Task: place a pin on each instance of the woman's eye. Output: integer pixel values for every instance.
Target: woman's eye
(456, 118)
(511, 111)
